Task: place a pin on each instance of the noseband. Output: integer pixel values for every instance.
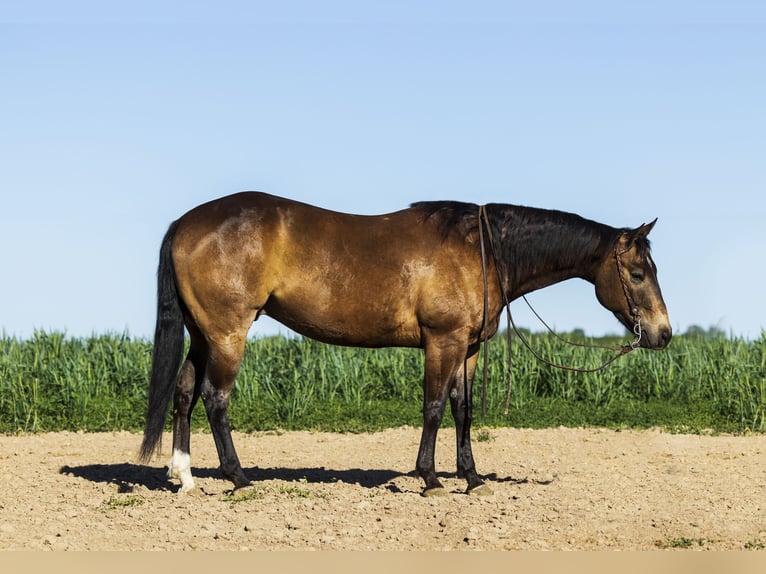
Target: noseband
(621, 349)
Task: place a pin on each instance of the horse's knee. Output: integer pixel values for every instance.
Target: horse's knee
(433, 412)
(216, 405)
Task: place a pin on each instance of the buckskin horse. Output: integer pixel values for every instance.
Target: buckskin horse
(435, 276)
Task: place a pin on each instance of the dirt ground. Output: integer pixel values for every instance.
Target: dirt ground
(559, 489)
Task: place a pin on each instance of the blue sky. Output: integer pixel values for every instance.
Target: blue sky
(116, 120)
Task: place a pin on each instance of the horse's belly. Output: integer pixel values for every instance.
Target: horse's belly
(340, 323)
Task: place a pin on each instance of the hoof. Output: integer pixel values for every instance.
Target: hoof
(481, 490)
(434, 492)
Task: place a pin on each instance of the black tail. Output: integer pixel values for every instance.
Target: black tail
(168, 349)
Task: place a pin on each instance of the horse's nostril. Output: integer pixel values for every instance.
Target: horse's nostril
(665, 335)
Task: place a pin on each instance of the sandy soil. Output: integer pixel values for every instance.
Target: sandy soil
(553, 489)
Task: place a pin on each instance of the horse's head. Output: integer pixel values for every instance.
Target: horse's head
(626, 284)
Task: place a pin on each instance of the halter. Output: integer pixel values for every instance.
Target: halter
(631, 304)
(621, 349)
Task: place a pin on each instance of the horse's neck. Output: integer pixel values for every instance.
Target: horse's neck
(553, 250)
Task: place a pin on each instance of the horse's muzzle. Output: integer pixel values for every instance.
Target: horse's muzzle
(656, 339)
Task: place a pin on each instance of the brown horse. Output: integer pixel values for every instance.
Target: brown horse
(413, 278)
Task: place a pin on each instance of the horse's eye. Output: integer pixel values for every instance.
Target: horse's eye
(637, 276)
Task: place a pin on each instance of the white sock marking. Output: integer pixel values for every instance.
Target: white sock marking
(180, 467)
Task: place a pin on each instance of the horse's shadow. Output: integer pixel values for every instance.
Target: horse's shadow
(127, 476)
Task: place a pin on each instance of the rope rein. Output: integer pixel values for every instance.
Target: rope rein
(511, 325)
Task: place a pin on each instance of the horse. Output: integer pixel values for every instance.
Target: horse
(434, 276)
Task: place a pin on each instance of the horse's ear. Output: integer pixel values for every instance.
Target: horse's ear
(629, 237)
(645, 228)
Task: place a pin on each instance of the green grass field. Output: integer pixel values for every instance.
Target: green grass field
(53, 382)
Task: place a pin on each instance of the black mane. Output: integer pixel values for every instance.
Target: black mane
(529, 237)
(541, 235)
(559, 227)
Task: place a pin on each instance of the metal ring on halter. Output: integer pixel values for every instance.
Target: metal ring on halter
(636, 329)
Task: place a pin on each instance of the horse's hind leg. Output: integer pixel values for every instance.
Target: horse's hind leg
(185, 397)
(462, 412)
(222, 368)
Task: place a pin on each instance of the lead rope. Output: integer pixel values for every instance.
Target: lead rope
(486, 311)
(621, 349)
(483, 218)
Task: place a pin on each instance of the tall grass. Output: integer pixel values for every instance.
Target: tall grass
(53, 382)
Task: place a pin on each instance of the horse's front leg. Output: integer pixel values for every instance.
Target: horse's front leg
(462, 411)
(433, 410)
(441, 364)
